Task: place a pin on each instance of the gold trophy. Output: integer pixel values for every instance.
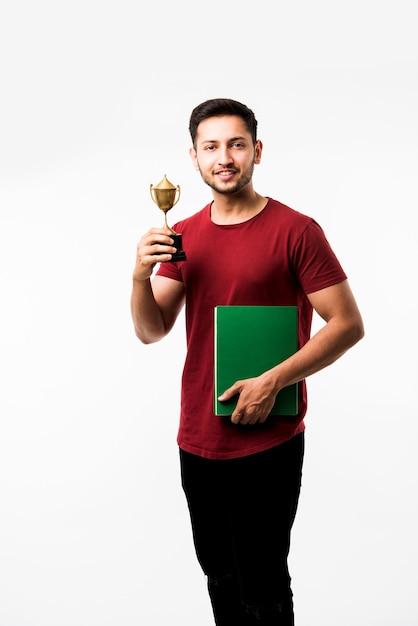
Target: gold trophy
(166, 195)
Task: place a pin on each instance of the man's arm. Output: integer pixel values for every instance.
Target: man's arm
(344, 328)
(154, 306)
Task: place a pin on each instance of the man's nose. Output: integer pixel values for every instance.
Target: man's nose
(224, 156)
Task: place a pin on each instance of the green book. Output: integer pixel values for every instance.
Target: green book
(250, 340)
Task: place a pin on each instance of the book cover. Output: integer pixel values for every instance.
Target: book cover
(250, 340)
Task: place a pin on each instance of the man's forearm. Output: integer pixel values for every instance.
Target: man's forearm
(146, 314)
(323, 349)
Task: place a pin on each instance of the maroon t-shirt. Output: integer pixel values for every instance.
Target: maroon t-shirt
(275, 258)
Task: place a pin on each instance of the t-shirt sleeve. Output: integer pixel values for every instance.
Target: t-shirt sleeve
(315, 263)
(170, 270)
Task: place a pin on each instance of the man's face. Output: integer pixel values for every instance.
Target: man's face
(225, 154)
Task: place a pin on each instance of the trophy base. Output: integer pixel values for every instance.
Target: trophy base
(180, 255)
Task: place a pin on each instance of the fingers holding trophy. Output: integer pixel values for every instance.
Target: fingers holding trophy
(166, 195)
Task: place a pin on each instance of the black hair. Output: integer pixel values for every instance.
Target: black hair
(218, 107)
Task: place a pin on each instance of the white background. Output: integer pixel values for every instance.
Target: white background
(94, 107)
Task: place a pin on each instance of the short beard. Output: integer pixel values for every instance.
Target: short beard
(240, 184)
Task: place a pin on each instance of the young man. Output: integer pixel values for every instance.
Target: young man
(242, 475)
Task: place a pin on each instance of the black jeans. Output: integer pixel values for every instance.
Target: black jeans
(242, 512)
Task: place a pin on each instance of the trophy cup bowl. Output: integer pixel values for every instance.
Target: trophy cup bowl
(166, 195)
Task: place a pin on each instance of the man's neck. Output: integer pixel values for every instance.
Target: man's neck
(236, 208)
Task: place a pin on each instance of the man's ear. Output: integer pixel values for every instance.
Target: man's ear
(193, 157)
(257, 152)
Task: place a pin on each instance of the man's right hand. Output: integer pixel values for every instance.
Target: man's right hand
(156, 246)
